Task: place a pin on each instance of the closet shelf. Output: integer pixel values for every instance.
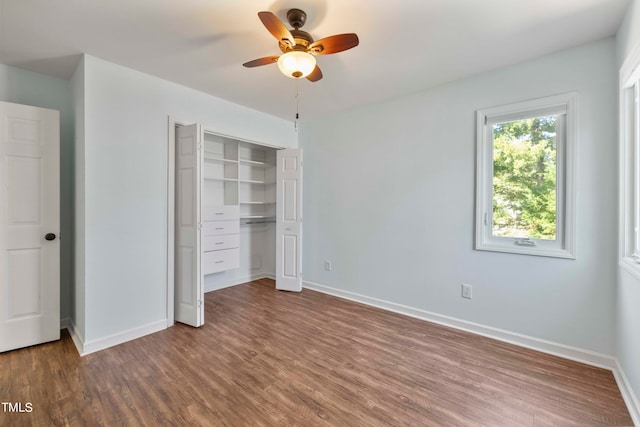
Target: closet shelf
(257, 203)
(250, 181)
(218, 159)
(258, 221)
(254, 163)
(220, 179)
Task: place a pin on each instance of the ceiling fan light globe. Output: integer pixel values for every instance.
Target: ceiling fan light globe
(296, 64)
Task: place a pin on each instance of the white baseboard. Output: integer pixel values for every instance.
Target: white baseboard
(88, 347)
(556, 349)
(75, 336)
(64, 323)
(235, 282)
(630, 398)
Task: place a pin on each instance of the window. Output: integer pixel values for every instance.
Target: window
(633, 95)
(525, 193)
(630, 159)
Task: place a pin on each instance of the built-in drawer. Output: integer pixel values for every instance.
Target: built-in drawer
(213, 228)
(216, 261)
(219, 242)
(220, 213)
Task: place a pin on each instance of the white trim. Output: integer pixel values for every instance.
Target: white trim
(85, 348)
(171, 164)
(122, 337)
(627, 193)
(564, 245)
(630, 69)
(629, 74)
(572, 353)
(629, 397)
(75, 337)
(525, 110)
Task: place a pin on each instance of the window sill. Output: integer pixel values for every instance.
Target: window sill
(524, 250)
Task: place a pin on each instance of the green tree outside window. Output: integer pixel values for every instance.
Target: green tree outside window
(524, 178)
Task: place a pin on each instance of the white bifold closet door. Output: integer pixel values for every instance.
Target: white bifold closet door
(289, 220)
(29, 226)
(189, 278)
(189, 291)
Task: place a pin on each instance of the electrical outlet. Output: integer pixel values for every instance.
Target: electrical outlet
(327, 265)
(466, 291)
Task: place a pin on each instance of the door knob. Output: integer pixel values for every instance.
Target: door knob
(50, 236)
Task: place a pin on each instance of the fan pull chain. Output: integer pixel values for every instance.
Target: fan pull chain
(297, 108)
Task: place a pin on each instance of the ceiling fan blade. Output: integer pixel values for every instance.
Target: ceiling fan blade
(277, 28)
(334, 44)
(315, 75)
(261, 61)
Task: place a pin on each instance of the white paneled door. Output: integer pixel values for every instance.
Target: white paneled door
(29, 226)
(289, 220)
(189, 296)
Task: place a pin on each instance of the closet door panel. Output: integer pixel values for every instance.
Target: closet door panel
(289, 220)
(188, 272)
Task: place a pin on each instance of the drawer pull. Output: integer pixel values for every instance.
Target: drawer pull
(289, 228)
(219, 243)
(219, 228)
(219, 213)
(219, 262)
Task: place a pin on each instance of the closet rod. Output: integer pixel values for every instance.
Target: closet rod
(257, 222)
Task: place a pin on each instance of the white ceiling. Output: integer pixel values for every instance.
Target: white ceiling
(405, 45)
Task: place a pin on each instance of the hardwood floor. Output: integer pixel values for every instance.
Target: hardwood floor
(268, 358)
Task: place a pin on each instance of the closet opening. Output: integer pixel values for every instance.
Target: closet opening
(234, 215)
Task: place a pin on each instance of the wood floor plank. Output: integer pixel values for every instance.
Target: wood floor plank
(268, 358)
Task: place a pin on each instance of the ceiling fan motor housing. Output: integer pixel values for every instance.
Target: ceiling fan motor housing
(296, 18)
(302, 39)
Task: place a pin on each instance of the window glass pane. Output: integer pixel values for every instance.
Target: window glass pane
(524, 178)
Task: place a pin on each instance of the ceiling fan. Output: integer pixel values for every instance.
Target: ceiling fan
(297, 46)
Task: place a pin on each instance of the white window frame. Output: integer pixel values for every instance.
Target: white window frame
(566, 140)
(629, 251)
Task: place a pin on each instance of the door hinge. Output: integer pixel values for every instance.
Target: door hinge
(199, 226)
(200, 303)
(199, 146)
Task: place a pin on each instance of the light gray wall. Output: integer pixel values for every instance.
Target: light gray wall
(125, 186)
(389, 199)
(26, 87)
(628, 312)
